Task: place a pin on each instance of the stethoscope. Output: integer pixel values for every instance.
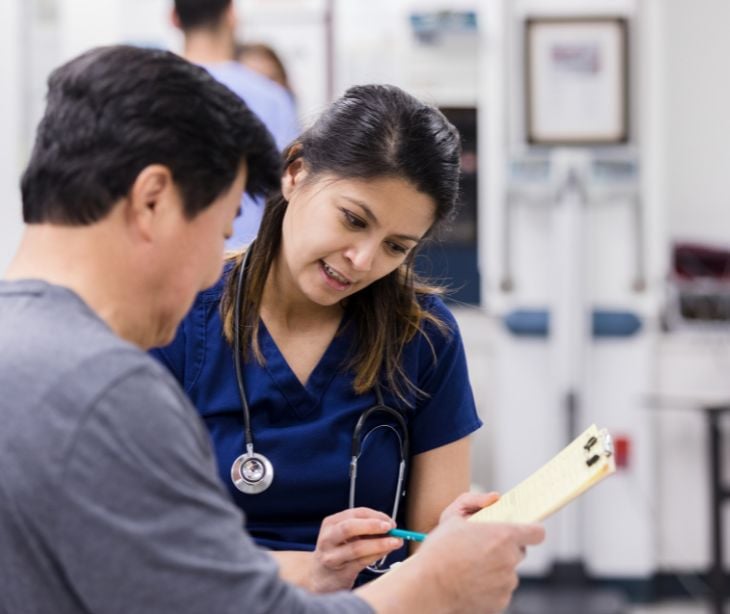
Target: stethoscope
(252, 473)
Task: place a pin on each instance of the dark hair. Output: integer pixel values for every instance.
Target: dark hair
(372, 131)
(115, 110)
(200, 13)
(381, 131)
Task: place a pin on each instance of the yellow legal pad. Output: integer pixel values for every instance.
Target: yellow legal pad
(580, 465)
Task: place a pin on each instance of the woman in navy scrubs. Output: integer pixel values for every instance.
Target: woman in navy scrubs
(330, 312)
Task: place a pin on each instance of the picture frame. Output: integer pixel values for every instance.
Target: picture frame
(576, 80)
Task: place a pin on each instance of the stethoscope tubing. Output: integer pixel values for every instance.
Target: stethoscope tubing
(248, 434)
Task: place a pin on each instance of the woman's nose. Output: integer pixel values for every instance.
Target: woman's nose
(362, 255)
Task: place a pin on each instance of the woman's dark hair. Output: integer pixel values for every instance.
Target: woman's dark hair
(373, 131)
(115, 110)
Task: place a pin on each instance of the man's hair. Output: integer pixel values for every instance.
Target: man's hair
(200, 13)
(113, 111)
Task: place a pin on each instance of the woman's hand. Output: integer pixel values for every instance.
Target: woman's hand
(348, 542)
(467, 504)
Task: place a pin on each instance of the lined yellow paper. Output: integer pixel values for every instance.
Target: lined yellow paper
(556, 483)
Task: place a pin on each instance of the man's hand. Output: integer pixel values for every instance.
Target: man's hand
(475, 564)
(461, 567)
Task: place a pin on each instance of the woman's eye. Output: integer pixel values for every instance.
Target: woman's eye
(353, 220)
(397, 248)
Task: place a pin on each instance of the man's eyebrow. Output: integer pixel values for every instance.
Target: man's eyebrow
(371, 216)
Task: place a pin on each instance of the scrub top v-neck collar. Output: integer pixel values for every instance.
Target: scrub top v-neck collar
(304, 399)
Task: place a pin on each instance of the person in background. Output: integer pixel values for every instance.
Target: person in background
(333, 320)
(209, 29)
(109, 498)
(265, 61)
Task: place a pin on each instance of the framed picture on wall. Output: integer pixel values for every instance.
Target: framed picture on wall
(576, 81)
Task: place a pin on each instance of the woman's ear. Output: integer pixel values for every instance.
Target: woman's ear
(294, 175)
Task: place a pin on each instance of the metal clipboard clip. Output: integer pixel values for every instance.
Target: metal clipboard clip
(597, 447)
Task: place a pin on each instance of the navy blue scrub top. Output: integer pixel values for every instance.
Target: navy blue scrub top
(306, 431)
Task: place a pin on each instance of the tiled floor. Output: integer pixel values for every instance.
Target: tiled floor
(675, 607)
(678, 607)
(598, 602)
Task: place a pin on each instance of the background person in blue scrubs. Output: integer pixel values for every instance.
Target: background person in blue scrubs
(209, 29)
(331, 308)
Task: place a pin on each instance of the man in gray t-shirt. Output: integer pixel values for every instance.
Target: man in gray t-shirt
(109, 498)
(107, 469)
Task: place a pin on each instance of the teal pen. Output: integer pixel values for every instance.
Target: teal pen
(411, 535)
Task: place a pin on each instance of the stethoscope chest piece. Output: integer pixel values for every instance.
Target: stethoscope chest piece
(251, 472)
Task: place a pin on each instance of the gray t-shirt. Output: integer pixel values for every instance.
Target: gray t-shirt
(109, 496)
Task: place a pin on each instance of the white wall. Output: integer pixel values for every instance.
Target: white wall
(11, 32)
(697, 121)
(89, 23)
(444, 73)
(37, 37)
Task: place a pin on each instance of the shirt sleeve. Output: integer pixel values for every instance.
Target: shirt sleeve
(447, 412)
(144, 524)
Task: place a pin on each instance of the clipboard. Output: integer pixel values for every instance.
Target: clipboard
(578, 467)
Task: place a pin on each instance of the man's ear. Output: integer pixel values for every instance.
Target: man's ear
(151, 195)
(294, 175)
